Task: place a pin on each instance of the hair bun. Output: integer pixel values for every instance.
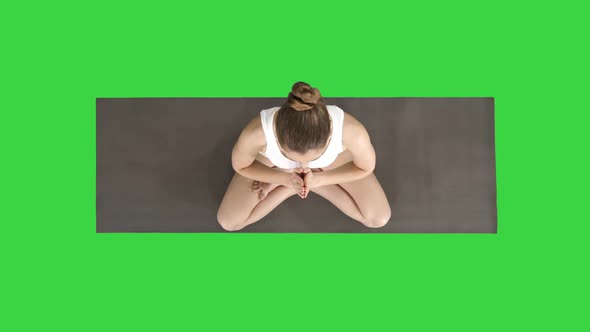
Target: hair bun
(305, 96)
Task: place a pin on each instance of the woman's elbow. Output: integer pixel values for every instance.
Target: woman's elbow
(367, 169)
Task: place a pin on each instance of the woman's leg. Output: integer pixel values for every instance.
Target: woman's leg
(341, 199)
(371, 200)
(241, 206)
(363, 200)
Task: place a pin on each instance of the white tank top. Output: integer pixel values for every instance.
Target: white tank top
(273, 153)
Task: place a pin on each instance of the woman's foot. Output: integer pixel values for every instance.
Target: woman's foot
(262, 188)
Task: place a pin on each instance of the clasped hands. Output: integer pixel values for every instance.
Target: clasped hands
(303, 179)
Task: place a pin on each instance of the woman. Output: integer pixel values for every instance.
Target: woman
(302, 146)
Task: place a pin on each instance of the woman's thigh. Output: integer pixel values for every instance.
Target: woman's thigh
(238, 202)
(370, 198)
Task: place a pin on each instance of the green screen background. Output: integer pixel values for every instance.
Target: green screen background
(58, 274)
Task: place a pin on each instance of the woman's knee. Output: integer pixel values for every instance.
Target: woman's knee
(233, 222)
(229, 223)
(379, 219)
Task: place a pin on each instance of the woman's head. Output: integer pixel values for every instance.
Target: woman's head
(303, 123)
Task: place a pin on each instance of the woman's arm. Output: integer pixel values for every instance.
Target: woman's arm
(244, 153)
(363, 161)
(261, 172)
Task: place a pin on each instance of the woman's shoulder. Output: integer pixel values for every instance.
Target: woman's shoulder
(347, 119)
(352, 130)
(253, 133)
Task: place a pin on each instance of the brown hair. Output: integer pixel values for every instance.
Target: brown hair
(303, 122)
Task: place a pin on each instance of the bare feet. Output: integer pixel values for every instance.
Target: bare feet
(262, 188)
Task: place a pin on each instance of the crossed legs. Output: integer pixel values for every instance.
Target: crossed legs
(362, 200)
(241, 207)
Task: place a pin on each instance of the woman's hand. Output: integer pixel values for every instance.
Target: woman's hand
(295, 181)
(301, 179)
(310, 180)
(301, 172)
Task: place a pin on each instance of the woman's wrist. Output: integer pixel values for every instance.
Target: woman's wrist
(284, 178)
(320, 178)
(260, 172)
(342, 174)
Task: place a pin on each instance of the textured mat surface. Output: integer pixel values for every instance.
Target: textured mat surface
(163, 165)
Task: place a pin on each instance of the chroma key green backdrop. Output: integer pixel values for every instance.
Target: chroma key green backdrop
(58, 274)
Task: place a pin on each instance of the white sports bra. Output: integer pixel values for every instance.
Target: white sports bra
(273, 153)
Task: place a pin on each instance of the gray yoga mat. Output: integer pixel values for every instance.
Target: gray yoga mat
(163, 165)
